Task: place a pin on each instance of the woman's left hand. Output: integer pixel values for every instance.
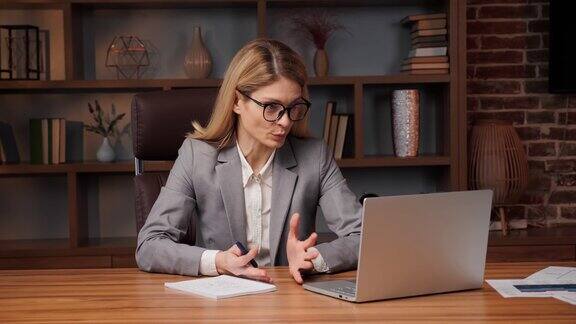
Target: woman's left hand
(298, 256)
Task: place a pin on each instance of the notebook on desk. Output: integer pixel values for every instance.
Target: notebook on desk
(221, 287)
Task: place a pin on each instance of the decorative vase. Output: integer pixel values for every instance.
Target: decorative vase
(105, 152)
(321, 62)
(497, 161)
(406, 122)
(198, 62)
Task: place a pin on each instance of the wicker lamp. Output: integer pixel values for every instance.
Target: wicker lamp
(497, 161)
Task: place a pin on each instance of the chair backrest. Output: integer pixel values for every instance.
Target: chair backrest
(160, 121)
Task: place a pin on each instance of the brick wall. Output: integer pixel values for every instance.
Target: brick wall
(507, 74)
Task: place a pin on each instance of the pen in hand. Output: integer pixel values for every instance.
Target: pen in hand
(244, 251)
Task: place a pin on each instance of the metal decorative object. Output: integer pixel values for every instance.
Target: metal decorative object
(406, 122)
(19, 52)
(497, 162)
(128, 55)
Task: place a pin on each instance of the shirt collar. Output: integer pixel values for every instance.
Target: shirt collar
(247, 171)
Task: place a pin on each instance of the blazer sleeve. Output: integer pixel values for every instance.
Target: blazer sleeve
(159, 248)
(342, 212)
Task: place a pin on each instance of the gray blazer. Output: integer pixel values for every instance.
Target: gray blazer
(205, 185)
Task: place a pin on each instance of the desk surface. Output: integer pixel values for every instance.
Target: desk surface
(124, 295)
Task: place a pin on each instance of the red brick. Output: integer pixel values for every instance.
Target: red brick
(540, 215)
(540, 117)
(505, 72)
(495, 57)
(536, 165)
(571, 102)
(566, 180)
(564, 166)
(537, 56)
(568, 212)
(471, 13)
(472, 43)
(538, 181)
(554, 102)
(545, 41)
(496, 103)
(472, 104)
(563, 197)
(516, 42)
(496, 87)
(567, 149)
(528, 133)
(516, 117)
(571, 118)
(496, 27)
(538, 26)
(513, 12)
(533, 197)
(536, 86)
(560, 133)
(470, 69)
(542, 149)
(542, 71)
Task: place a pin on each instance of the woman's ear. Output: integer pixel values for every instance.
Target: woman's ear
(237, 109)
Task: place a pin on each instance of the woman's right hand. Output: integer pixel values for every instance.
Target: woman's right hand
(232, 262)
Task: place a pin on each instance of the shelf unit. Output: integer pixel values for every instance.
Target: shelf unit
(79, 250)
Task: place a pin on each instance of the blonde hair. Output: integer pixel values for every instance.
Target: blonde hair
(259, 63)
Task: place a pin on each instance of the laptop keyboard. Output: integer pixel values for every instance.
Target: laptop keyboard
(348, 291)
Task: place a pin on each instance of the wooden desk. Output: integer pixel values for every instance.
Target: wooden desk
(128, 295)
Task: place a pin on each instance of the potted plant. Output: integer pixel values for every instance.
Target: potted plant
(104, 125)
(317, 26)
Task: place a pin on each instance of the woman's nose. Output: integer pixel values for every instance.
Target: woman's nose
(284, 120)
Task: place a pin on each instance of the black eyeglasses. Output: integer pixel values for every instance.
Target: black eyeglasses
(274, 111)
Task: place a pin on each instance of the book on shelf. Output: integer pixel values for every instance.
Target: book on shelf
(429, 32)
(428, 51)
(427, 71)
(55, 140)
(428, 24)
(429, 39)
(424, 45)
(330, 107)
(420, 66)
(333, 131)
(344, 145)
(414, 18)
(425, 59)
(9, 150)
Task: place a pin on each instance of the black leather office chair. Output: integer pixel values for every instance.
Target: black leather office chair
(160, 121)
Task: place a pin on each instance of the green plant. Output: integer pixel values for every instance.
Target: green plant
(104, 123)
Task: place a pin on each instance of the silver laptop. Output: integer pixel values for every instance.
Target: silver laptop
(417, 244)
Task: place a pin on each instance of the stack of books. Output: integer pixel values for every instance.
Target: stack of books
(8, 148)
(429, 51)
(339, 132)
(55, 141)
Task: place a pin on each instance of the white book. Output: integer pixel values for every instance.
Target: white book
(428, 51)
(223, 286)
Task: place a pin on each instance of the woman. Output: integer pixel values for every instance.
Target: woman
(241, 176)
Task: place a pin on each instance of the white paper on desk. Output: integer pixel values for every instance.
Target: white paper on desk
(507, 290)
(221, 287)
(566, 296)
(563, 274)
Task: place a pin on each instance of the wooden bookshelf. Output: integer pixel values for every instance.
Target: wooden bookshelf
(449, 160)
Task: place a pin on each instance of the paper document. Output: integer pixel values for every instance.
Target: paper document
(557, 282)
(221, 287)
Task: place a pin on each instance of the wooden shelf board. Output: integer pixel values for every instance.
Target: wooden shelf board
(159, 84)
(61, 247)
(159, 166)
(392, 161)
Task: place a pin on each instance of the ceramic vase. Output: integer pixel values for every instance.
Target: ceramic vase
(321, 63)
(406, 122)
(198, 62)
(105, 152)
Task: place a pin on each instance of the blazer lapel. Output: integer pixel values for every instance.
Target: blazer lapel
(229, 177)
(283, 184)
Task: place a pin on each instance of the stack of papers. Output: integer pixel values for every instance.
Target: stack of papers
(221, 287)
(556, 282)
